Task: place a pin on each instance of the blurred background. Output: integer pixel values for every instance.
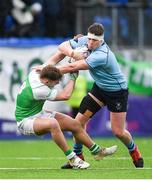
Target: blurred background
(31, 30)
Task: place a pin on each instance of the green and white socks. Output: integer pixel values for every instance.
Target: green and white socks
(94, 149)
(69, 154)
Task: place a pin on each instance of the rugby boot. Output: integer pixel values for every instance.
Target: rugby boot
(136, 157)
(78, 163)
(105, 152)
(68, 165)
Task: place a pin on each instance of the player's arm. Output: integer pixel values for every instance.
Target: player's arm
(73, 67)
(43, 92)
(58, 56)
(66, 92)
(55, 58)
(66, 49)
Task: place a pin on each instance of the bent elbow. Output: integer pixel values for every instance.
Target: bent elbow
(66, 97)
(60, 47)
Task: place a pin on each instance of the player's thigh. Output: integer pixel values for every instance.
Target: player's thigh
(88, 107)
(118, 121)
(66, 122)
(82, 119)
(44, 125)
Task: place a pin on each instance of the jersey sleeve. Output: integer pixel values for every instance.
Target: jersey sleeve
(78, 42)
(44, 93)
(97, 59)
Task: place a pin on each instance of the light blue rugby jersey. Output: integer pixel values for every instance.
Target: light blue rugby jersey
(104, 67)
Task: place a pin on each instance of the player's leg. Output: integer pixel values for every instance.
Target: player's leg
(98, 153)
(69, 124)
(118, 129)
(39, 126)
(117, 105)
(88, 107)
(47, 125)
(44, 125)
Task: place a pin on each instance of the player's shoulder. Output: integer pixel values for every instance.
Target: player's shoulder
(104, 48)
(34, 79)
(81, 40)
(33, 75)
(100, 52)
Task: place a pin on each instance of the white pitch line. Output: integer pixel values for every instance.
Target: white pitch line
(62, 158)
(48, 168)
(32, 158)
(73, 179)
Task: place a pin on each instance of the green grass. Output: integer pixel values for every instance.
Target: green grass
(42, 160)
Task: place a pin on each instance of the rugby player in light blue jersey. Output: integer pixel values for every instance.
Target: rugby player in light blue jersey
(109, 89)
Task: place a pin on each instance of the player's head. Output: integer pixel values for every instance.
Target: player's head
(95, 35)
(50, 75)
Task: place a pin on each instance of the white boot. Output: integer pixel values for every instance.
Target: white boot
(105, 152)
(78, 163)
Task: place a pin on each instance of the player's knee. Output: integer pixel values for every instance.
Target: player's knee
(76, 126)
(81, 123)
(118, 133)
(54, 125)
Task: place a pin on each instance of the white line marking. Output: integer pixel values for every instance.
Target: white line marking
(48, 168)
(62, 158)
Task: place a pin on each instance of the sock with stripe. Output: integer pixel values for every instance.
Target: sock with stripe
(77, 148)
(69, 154)
(94, 149)
(131, 146)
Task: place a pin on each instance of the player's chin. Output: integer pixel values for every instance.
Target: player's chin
(90, 47)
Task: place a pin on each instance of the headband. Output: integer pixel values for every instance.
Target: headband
(93, 36)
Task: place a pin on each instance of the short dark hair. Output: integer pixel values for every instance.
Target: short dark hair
(51, 72)
(96, 29)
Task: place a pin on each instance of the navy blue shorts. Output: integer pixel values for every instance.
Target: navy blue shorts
(116, 101)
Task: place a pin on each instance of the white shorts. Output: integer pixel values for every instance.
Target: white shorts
(26, 125)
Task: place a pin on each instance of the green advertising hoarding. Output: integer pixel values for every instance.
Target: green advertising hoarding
(139, 75)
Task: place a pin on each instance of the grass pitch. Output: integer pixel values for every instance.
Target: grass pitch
(41, 159)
